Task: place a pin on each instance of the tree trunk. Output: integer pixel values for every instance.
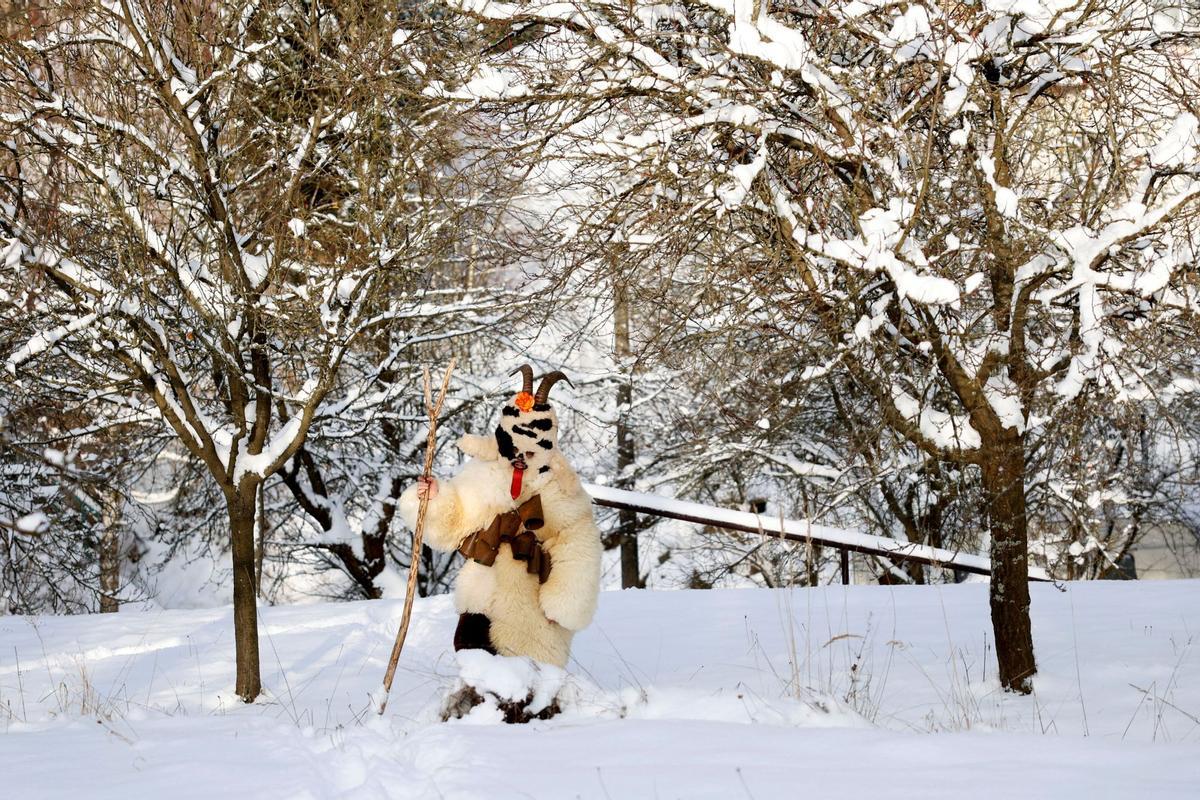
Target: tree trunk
(260, 543)
(626, 452)
(242, 510)
(1004, 495)
(626, 519)
(812, 564)
(110, 555)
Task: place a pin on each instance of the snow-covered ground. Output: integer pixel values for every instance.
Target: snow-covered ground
(835, 692)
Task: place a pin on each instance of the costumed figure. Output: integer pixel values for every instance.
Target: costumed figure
(519, 515)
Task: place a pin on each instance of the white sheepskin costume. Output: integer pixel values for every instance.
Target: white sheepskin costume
(521, 616)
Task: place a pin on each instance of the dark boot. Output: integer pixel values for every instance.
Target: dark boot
(474, 632)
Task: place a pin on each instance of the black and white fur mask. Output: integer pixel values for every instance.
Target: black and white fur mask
(527, 436)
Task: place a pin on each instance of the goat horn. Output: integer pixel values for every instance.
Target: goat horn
(549, 380)
(527, 371)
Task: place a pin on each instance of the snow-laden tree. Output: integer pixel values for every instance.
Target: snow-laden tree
(1106, 476)
(65, 517)
(237, 209)
(70, 452)
(974, 214)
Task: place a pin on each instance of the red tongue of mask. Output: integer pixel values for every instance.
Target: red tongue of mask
(518, 473)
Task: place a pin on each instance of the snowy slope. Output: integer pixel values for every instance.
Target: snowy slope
(835, 692)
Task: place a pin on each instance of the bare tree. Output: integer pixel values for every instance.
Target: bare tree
(227, 206)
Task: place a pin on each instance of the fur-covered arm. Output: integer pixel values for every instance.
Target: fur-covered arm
(464, 504)
(443, 529)
(570, 593)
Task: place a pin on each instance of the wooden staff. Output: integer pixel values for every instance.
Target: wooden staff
(434, 410)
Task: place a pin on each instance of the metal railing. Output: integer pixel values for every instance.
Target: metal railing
(845, 541)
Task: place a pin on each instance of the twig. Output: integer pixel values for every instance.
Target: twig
(434, 410)
(1150, 693)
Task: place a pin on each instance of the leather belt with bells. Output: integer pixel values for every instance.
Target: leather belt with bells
(516, 529)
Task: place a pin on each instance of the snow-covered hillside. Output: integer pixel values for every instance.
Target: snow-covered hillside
(835, 692)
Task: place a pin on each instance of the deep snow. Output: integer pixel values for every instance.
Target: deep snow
(833, 692)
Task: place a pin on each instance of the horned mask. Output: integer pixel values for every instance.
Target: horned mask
(527, 435)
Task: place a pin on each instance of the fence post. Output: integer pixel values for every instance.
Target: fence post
(845, 556)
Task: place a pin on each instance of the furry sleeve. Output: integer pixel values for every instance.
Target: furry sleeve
(464, 504)
(569, 595)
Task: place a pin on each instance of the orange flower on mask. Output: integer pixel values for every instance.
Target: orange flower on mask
(523, 401)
